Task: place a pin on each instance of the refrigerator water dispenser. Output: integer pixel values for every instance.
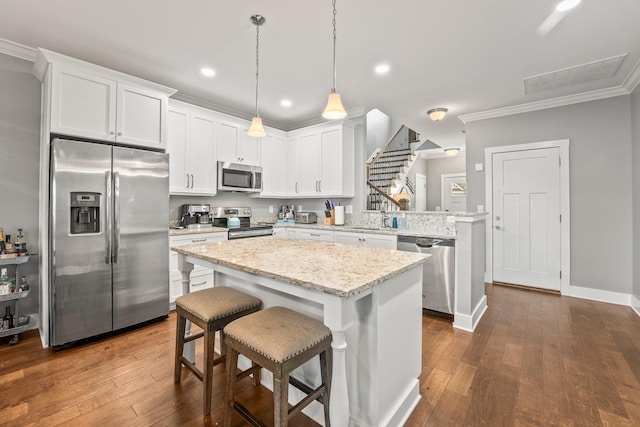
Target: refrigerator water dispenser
(85, 213)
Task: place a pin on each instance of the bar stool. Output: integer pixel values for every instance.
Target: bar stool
(211, 309)
(279, 340)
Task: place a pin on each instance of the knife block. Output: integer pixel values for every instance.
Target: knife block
(332, 220)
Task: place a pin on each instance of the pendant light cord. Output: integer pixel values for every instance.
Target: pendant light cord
(334, 46)
(257, 64)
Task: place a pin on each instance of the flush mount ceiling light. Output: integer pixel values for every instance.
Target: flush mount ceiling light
(334, 109)
(257, 130)
(437, 114)
(451, 151)
(207, 72)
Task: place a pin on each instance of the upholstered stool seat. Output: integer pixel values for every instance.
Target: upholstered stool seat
(210, 309)
(279, 340)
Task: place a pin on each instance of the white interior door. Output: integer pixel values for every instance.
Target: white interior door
(421, 192)
(526, 218)
(453, 192)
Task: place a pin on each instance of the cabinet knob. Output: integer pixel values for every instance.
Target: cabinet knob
(112, 133)
(119, 133)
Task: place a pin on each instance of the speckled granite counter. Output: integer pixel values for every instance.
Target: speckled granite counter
(187, 231)
(325, 267)
(370, 298)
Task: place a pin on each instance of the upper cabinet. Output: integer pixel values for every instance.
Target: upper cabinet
(191, 145)
(321, 161)
(85, 100)
(274, 152)
(235, 146)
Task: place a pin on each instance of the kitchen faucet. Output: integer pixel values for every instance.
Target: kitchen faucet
(384, 218)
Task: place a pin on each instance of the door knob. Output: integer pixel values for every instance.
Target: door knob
(497, 218)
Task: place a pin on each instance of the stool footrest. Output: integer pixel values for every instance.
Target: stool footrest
(192, 367)
(247, 415)
(305, 388)
(193, 337)
(307, 399)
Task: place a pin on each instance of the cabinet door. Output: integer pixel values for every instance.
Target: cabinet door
(141, 117)
(228, 135)
(309, 234)
(201, 149)
(249, 151)
(177, 140)
(308, 151)
(274, 166)
(331, 163)
(83, 105)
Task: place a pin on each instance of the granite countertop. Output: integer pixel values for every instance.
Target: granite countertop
(187, 231)
(333, 268)
(360, 229)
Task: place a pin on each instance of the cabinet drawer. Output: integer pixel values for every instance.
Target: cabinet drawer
(198, 282)
(320, 235)
(189, 240)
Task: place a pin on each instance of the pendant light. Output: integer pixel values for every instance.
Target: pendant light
(334, 109)
(257, 130)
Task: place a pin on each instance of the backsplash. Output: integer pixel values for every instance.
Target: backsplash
(431, 223)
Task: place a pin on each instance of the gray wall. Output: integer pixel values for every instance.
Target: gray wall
(20, 163)
(600, 181)
(437, 167)
(635, 119)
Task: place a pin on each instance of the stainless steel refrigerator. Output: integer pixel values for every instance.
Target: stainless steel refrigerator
(108, 238)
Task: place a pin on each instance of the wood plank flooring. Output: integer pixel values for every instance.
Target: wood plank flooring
(536, 359)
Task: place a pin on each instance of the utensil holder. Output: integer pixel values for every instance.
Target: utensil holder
(332, 219)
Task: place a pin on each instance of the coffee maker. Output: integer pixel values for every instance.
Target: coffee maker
(192, 216)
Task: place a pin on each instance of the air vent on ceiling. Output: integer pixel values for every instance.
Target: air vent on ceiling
(585, 73)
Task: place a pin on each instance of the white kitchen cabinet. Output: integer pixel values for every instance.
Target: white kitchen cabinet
(370, 240)
(89, 101)
(234, 145)
(322, 161)
(280, 231)
(201, 278)
(273, 157)
(310, 234)
(191, 145)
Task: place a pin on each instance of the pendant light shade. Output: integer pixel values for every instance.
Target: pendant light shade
(257, 130)
(334, 109)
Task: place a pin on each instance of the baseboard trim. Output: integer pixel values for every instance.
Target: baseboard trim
(635, 304)
(600, 295)
(469, 323)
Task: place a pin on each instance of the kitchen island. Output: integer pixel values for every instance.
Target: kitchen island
(370, 298)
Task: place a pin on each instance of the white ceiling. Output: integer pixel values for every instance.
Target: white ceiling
(467, 55)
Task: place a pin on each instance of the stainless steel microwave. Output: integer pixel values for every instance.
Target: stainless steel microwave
(239, 177)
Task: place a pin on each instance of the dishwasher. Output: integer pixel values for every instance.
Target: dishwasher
(438, 277)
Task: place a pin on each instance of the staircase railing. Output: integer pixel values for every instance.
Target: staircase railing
(410, 185)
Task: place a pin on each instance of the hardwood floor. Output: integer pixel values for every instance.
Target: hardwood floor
(536, 359)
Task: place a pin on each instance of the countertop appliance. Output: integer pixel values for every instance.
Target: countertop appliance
(108, 240)
(438, 277)
(221, 217)
(194, 216)
(239, 177)
(306, 218)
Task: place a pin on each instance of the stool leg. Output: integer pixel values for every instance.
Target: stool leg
(180, 331)
(231, 365)
(280, 399)
(209, 356)
(325, 375)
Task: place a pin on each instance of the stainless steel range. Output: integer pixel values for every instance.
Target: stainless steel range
(238, 221)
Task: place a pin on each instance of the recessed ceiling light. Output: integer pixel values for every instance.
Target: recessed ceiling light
(208, 72)
(567, 4)
(286, 103)
(382, 69)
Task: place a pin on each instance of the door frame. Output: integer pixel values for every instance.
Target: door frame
(424, 196)
(565, 225)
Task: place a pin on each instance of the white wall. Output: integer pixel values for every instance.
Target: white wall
(437, 167)
(380, 128)
(20, 162)
(600, 175)
(635, 119)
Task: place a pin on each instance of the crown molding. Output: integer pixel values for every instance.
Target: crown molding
(547, 103)
(633, 79)
(18, 50)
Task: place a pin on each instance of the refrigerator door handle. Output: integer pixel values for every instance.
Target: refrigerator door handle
(116, 216)
(108, 232)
